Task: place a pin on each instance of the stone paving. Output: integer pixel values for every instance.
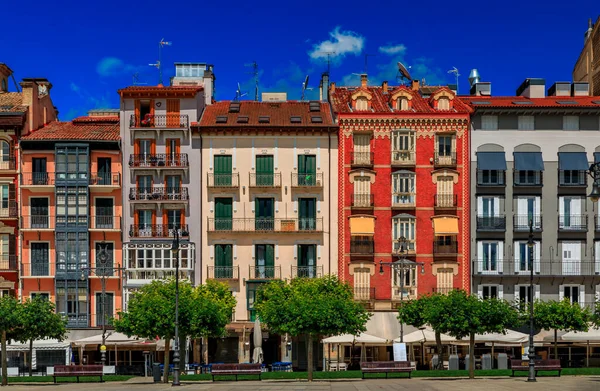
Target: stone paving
(565, 383)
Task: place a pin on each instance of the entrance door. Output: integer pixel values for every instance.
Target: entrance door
(104, 213)
(307, 214)
(265, 214)
(104, 174)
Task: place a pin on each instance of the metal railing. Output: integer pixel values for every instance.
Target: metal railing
(223, 180)
(521, 222)
(264, 272)
(158, 231)
(37, 222)
(8, 262)
(161, 160)
(403, 157)
(307, 271)
(158, 194)
(265, 224)
(168, 121)
(105, 222)
(8, 163)
(362, 158)
(360, 200)
(528, 178)
(362, 246)
(445, 248)
(573, 222)
(307, 179)
(11, 211)
(410, 292)
(444, 290)
(493, 178)
(572, 178)
(445, 200)
(106, 179)
(38, 269)
(403, 200)
(364, 294)
(223, 272)
(37, 178)
(491, 223)
(265, 180)
(543, 267)
(159, 274)
(445, 160)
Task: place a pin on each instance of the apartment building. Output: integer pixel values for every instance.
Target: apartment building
(529, 159)
(404, 191)
(70, 214)
(27, 108)
(269, 208)
(587, 66)
(162, 175)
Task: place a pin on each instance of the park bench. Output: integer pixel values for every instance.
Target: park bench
(539, 365)
(236, 369)
(78, 371)
(386, 367)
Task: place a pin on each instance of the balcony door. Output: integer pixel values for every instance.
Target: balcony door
(362, 284)
(362, 192)
(403, 188)
(5, 156)
(307, 212)
(569, 210)
(223, 261)
(362, 148)
(223, 170)
(523, 259)
(39, 213)
(571, 258)
(174, 190)
(144, 187)
(173, 147)
(39, 175)
(40, 258)
(265, 214)
(145, 218)
(307, 170)
(528, 209)
(104, 213)
(445, 192)
(307, 260)
(264, 261)
(104, 174)
(223, 214)
(145, 147)
(173, 220)
(490, 257)
(104, 308)
(264, 170)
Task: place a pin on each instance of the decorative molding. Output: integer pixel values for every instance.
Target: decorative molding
(444, 173)
(362, 265)
(435, 267)
(362, 173)
(424, 127)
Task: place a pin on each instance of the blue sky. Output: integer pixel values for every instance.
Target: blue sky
(88, 50)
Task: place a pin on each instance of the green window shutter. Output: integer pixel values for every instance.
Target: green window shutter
(264, 210)
(307, 168)
(270, 261)
(264, 170)
(307, 213)
(223, 214)
(223, 170)
(223, 261)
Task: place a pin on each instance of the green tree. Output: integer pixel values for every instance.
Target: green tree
(10, 320)
(463, 315)
(310, 307)
(559, 315)
(38, 320)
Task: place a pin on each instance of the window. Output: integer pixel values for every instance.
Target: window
(104, 306)
(489, 292)
(39, 175)
(490, 257)
(570, 122)
(362, 103)
(528, 177)
(265, 214)
(307, 261)
(570, 213)
(528, 209)
(445, 279)
(488, 213)
(223, 214)
(573, 293)
(404, 282)
(362, 284)
(40, 259)
(403, 226)
(264, 266)
(104, 259)
(43, 295)
(402, 103)
(71, 302)
(571, 258)
(71, 206)
(489, 122)
(144, 186)
(523, 294)
(174, 219)
(490, 177)
(174, 190)
(307, 214)
(403, 147)
(223, 170)
(362, 192)
(362, 149)
(307, 170)
(403, 188)
(265, 170)
(526, 122)
(445, 192)
(523, 259)
(72, 163)
(443, 103)
(572, 177)
(157, 257)
(5, 156)
(145, 218)
(445, 145)
(4, 200)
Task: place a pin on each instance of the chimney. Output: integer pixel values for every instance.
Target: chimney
(363, 80)
(324, 87)
(384, 86)
(482, 88)
(415, 85)
(580, 89)
(560, 88)
(331, 88)
(532, 88)
(208, 83)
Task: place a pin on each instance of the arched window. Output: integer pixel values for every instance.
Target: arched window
(4, 154)
(362, 103)
(402, 104)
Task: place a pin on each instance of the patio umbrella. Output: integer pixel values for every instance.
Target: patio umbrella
(361, 338)
(424, 336)
(257, 356)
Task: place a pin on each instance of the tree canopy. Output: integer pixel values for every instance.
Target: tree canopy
(310, 307)
(9, 322)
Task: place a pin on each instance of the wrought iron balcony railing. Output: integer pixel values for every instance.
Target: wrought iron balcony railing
(404, 200)
(528, 178)
(521, 222)
(570, 178)
(37, 178)
(265, 224)
(403, 158)
(445, 248)
(158, 231)
(264, 272)
(167, 121)
(11, 211)
(307, 179)
(491, 223)
(42, 268)
(362, 246)
(101, 222)
(265, 180)
(446, 200)
(573, 222)
(361, 200)
(362, 158)
(364, 293)
(445, 159)
(7, 163)
(37, 222)
(223, 180)
(159, 160)
(8, 262)
(106, 179)
(541, 268)
(223, 272)
(158, 194)
(307, 271)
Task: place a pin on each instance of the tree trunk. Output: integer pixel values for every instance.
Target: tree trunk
(472, 356)
(439, 350)
(166, 363)
(310, 356)
(30, 357)
(4, 366)
(555, 344)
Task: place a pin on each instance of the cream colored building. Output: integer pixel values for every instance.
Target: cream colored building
(269, 203)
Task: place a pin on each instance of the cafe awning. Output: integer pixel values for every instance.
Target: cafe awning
(362, 225)
(576, 161)
(445, 225)
(491, 161)
(528, 161)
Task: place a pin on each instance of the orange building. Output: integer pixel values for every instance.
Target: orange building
(71, 208)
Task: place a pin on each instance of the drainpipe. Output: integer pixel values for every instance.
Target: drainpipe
(329, 194)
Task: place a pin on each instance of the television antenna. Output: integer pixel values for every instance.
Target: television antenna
(329, 55)
(403, 73)
(158, 64)
(238, 93)
(254, 73)
(367, 61)
(305, 87)
(454, 70)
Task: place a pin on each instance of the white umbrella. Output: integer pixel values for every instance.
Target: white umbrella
(425, 335)
(257, 356)
(360, 338)
(592, 335)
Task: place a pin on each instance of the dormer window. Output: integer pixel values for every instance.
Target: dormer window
(402, 104)
(362, 104)
(443, 103)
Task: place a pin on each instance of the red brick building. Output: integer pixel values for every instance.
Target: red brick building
(403, 172)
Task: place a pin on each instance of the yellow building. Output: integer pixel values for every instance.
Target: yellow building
(587, 67)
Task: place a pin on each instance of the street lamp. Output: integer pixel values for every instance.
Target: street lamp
(530, 245)
(175, 251)
(594, 172)
(400, 265)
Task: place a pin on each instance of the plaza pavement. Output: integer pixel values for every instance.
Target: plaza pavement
(565, 383)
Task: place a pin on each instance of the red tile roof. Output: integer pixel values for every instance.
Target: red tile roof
(159, 91)
(549, 101)
(341, 101)
(82, 128)
(12, 102)
(279, 114)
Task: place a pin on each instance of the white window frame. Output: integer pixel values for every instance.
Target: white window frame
(499, 290)
(517, 293)
(562, 289)
(402, 104)
(571, 257)
(481, 248)
(443, 104)
(404, 226)
(489, 122)
(536, 256)
(495, 212)
(409, 273)
(404, 185)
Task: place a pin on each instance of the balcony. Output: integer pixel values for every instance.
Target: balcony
(362, 159)
(11, 212)
(573, 223)
(444, 160)
(105, 223)
(521, 222)
(403, 200)
(106, 179)
(265, 272)
(364, 293)
(312, 180)
(262, 225)
(445, 248)
(38, 223)
(223, 181)
(307, 271)
(528, 178)
(38, 269)
(8, 262)
(159, 194)
(41, 180)
(142, 231)
(362, 247)
(491, 223)
(403, 158)
(160, 121)
(541, 268)
(223, 273)
(410, 292)
(362, 200)
(8, 163)
(166, 161)
(445, 201)
(136, 277)
(265, 180)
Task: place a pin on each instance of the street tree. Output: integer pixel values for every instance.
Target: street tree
(38, 320)
(10, 320)
(559, 315)
(310, 307)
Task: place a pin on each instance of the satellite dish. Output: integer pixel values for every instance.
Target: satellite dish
(404, 71)
(238, 93)
(305, 87)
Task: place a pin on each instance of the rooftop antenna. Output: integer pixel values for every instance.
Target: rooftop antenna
(328, 54)
(456, 74)
(238, 93)
(403, 73)
(158, 64)
(367, 61)
(254, 73)
(305, 87)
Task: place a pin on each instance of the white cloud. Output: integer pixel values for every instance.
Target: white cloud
(112, 66)
(341, 42)
(392, 50)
